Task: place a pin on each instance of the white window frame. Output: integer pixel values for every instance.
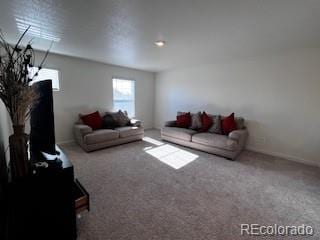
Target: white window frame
(59, 77)
(134, 93)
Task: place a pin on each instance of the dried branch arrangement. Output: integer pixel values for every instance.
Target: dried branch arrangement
(16, 92)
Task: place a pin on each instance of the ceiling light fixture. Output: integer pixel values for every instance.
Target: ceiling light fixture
(160, 43)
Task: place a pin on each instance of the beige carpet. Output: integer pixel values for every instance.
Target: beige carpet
(146, 190)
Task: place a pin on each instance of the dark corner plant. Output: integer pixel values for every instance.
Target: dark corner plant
(18, 96)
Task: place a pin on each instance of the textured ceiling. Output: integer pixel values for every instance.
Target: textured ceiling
(123, 32)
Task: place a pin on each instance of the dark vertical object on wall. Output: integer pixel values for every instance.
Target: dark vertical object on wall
(42, 136)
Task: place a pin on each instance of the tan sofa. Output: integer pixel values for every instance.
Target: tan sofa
(91, 140)
(226, 146)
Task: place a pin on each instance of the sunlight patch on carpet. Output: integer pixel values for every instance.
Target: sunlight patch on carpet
(172, 156)
(147, 148)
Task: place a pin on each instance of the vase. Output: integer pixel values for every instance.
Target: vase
(19, 161)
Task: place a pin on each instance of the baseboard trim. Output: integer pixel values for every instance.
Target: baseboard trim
(284, 156)
(149, 129)
(65, 142)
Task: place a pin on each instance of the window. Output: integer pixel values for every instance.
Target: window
(123, 95)
(45, 74)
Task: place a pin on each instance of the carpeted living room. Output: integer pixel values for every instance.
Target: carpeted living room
(159, 119)
(135, 195)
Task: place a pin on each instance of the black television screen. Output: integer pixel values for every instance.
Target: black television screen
(42, 136)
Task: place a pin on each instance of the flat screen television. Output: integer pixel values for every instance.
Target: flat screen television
(42, 135)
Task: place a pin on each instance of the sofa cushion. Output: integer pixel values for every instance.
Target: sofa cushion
(129, 131)
(101, 135)
(121, 118)
(109, 122)
(215, 140)
(93, 120)
(180, 133)
(239, 122)
(228, 124)
(196, 123)
(183, 120)
(216, 126)
(206, 122)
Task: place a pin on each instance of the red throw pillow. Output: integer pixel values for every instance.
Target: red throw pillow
(184, 120)
(94, 120)
(228, 124)
(206, 122)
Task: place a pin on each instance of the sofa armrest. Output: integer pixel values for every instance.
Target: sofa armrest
(82, 129)
(170, 123)
(240, 135)
(135, 122)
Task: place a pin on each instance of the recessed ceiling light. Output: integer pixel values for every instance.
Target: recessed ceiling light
(159, 43)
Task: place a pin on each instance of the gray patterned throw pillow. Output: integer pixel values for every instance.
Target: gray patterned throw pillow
(123, 118)
(196, 121)
(216, 126)
(239, 122)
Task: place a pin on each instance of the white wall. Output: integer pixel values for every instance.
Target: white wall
(87, 85)
(279, 96)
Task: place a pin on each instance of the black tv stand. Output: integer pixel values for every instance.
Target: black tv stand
(43, 205)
